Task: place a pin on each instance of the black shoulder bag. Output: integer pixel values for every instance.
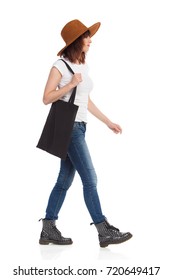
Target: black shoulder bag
(56, 134)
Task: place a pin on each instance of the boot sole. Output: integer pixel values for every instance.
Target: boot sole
(47, 242)
(105, 244)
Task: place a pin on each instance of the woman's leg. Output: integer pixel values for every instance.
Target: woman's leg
(80, 157)
(57, 196)
(49, 233)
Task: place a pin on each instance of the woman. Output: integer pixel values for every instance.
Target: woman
(59, 86)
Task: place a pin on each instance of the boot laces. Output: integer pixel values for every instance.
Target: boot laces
(111, 227)
(56, 230)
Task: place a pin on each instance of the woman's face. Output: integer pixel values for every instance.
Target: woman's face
(86, 44)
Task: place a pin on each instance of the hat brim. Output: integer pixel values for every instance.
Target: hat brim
(92, 29)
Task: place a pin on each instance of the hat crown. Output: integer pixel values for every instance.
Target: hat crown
(72, 30)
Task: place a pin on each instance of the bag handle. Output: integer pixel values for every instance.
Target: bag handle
(72, 97)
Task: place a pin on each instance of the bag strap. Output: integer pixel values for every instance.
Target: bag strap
(72, 97)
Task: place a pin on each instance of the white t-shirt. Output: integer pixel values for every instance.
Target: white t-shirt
(83, 88)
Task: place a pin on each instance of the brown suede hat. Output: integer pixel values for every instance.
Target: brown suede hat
(73, 30)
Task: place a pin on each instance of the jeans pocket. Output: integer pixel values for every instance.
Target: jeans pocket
(79, 129)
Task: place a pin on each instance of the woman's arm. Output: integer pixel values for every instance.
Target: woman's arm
(92, 108)
(51, 93)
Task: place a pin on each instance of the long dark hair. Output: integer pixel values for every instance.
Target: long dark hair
(74, 51)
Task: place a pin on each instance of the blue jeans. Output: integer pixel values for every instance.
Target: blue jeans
(78, 159)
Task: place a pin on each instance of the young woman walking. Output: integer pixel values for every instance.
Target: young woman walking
(59, 86)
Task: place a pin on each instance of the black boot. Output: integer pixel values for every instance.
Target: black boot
(50, 234)
(110, 235)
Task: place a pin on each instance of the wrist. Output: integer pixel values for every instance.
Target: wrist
(71, 85)
(108, 122)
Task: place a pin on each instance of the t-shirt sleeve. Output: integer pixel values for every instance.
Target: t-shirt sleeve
(59, 64)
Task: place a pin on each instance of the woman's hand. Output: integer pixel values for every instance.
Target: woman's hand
(76, 79)
(116, 128)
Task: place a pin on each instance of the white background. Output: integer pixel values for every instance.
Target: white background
(131, 63)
